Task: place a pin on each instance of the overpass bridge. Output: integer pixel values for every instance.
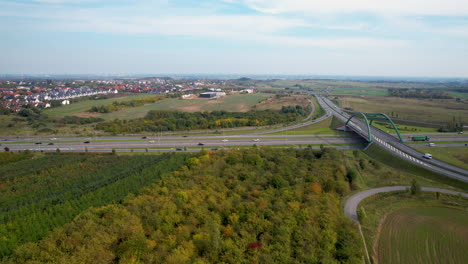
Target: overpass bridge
(388, 142)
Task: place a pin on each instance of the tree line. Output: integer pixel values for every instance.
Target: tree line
(156, 120)
(115, 106)
(40, 194)
(419, 93)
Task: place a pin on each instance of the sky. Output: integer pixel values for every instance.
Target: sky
(421, 38)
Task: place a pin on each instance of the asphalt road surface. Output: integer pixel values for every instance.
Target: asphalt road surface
(181, 143)
(393, 145)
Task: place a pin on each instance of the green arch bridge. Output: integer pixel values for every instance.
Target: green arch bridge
(371, 117)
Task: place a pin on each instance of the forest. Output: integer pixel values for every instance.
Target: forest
(419, 93)
(78, 120)
(257, 205)
(155, 120)
(38, 194)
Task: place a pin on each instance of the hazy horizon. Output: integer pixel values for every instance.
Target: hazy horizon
(398, 38)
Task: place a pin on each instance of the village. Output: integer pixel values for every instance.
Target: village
(15, 95)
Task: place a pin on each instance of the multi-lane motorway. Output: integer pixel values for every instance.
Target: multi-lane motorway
(392, 144)
(192, 142)
(175, 142)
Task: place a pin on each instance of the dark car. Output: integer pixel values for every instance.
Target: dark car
(201, 144)
(179, 149)
(185, 136)
(144, 137)
(38, 143)
(86, 142)
(50, 143)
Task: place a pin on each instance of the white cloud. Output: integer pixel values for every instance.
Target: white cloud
(393, 7)
(264, 30)
(260, 29)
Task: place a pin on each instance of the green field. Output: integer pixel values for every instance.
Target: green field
(424, 235)
(410, 109)
(320, 128)
(457, 156)
(387, 127)
(83, 106)
(447, 209)
(232, 103)
(348, 87)
(458, 94)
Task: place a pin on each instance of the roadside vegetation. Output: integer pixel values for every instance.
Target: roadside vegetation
(401, 167)
(431, 111)
(156, 121)
(457, 156)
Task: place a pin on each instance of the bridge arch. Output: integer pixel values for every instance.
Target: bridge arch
(372, 117)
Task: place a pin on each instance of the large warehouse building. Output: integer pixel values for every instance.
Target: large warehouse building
(212, 94)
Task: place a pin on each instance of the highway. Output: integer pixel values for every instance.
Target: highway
(177, 142)
(180, 142)
(392, 144)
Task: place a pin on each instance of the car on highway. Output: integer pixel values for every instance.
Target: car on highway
(144, 137)
(151, 141)
(224, 140)
(256, 140)
(179, 149)
(87, 142)
(431, 144)
(200, 144)
(461, 132)
(427, 156)
(38, 143)
(53, 138)
(50, 143)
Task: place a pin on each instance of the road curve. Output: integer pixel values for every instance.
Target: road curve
(352, 202)
(391, 144)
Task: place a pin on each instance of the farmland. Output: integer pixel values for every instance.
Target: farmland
(347, 87)
(232, 103)
(84, 106)
(431, 227)
(276, 102)
(423, 235)
(443, 110)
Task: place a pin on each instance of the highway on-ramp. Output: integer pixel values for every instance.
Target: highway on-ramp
(352, 203)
